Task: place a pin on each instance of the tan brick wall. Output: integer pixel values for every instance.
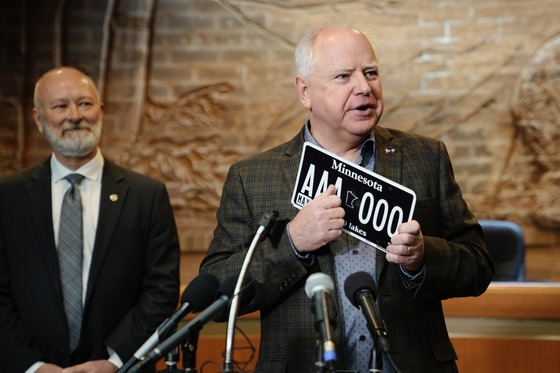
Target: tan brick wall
(192, 86)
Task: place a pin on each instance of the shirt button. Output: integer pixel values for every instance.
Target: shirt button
(355, 252)
(362, 338)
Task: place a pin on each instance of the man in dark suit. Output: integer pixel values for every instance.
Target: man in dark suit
(437, 255)
(130, 267)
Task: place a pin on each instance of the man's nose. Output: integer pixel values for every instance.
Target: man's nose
(362, 85)
(74, 113)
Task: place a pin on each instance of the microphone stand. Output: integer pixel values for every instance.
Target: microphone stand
(189, 354)
(320, 362)
(267, 219)
(171, 360)
(376, 360)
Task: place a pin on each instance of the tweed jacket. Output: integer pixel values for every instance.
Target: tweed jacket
(457, 263)
(133, 279)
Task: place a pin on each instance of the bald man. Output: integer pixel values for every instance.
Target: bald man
(129, 244)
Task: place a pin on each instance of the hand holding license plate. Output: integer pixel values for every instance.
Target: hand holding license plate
(374, 205)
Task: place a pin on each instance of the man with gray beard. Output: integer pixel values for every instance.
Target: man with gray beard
(123, 244)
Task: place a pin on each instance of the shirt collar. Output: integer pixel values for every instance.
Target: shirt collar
(91, 170)
(367, 150)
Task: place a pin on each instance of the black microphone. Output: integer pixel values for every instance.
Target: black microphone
(246, 295)
(223, 294)
(319, 287)
(198, 295)
(360, 290)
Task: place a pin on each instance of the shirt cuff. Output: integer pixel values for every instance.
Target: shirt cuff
(35, 367)
(114, 358)
(307, 258)
(413, 276)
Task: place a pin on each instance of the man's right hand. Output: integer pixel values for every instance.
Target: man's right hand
(319, 222)
(49, 368)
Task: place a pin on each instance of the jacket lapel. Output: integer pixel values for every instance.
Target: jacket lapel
(388, 163)
(113, 196)
(388, 155)
(40, 200)
(290, 163)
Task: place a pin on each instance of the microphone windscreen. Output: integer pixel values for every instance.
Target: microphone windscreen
(318, 281)
(247, 292)
(227, 288)
(356, 283)
(199, 294)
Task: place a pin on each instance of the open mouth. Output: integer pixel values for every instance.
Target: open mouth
(364, 107)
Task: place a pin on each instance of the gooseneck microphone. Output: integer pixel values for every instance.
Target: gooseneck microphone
(265, 225)
(319, 288)
(198, 295)
(361, 291)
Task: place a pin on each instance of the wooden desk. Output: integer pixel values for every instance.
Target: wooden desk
(512, 327)
(522, 300)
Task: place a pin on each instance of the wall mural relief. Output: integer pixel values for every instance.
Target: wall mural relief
(182, 144)
(529, 186)
(190, 87)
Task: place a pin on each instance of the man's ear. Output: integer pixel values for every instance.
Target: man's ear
(37, 118)
(302, 88)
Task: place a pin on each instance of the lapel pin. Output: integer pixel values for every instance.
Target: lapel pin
(389, 150)
(114, 197)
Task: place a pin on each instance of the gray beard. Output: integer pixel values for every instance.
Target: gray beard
(74, 146)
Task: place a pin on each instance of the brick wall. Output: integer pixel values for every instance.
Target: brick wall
(192, 86)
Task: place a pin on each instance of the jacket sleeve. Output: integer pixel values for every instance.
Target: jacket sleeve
(17, 352)
(159, 288)
(274, 268)
(456, 260)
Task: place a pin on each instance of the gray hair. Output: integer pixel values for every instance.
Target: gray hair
(37, 103)
(303, 55)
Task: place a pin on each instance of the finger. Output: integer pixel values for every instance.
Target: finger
(407, 251)
(330, 191)
(410, 227)
(336, 224)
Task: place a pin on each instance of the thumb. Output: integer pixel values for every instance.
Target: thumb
(330, 190)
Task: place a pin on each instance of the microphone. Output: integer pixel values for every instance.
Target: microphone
(319, 287)
(223, 295)
(245, 295)
(198, 295)
(360, 290)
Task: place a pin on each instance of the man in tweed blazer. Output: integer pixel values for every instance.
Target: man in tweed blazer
(438, 255)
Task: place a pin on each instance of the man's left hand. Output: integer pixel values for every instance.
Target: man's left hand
(407, 247)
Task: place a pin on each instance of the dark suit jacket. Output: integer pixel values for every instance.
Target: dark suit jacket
(456, 260)
(133, 281)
